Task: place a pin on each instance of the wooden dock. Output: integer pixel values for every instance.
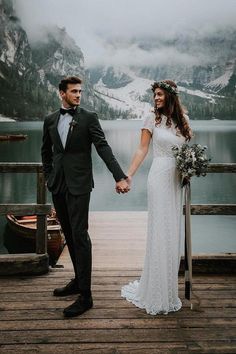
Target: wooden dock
(31, 319)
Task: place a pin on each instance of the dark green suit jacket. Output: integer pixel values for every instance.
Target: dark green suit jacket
(74, 163)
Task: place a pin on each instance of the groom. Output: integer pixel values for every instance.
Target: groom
(68, 135)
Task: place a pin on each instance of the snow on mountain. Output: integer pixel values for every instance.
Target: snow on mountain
(130, 98)
(127, 98)
(223, 80)
(208, 96)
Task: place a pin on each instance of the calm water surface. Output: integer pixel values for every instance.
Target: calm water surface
(210, 233)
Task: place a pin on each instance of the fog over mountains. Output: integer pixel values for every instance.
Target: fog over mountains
(30, 72)
(119, 73)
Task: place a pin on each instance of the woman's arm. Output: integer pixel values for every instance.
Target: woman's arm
(141, 152)
(139, 156)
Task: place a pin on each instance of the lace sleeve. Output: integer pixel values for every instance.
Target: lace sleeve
(149, 122)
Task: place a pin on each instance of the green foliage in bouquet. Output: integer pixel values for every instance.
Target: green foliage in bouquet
(191, 160)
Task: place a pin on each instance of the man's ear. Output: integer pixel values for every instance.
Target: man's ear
(62, 93)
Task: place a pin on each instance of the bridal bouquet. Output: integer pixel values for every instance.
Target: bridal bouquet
(191, 160)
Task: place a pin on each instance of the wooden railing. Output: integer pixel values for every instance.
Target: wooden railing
(41, 209)
(216, 209)
(221, 262)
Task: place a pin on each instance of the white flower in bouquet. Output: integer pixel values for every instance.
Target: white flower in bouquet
(191, 160)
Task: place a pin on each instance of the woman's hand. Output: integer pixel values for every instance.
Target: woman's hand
(122, 186)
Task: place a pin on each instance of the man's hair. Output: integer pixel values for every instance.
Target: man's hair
(69, 80)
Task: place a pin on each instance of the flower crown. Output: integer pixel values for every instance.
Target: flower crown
(167, 87)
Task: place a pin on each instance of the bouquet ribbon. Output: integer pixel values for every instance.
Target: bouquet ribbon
(188, 252)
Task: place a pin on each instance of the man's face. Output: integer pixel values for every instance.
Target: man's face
(71, 97)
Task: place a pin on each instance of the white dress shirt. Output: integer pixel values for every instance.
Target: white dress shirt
(64, 126)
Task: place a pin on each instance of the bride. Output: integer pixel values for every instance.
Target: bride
(167, 125)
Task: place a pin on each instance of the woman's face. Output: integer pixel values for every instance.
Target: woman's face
(159, 98)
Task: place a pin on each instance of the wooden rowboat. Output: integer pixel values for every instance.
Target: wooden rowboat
(25, 227)
(12, 137)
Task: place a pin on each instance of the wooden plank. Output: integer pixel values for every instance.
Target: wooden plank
(221, 168)
(106, 287)
(212, 264)
(219, 347)
(103, 303)
(97, 348)
(25, 209)
(41, 188)
(99, 294)
(20, 167)
(28, 263)
(212, 209)
(55, 313)
(213, 283)
(116, 335)
(116, 323)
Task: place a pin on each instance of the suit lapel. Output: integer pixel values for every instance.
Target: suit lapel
(74, 122)
(55, 130)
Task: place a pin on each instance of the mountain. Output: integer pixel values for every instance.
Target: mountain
(30, 73)
(204, 67)
(20, 97)
(206, 77)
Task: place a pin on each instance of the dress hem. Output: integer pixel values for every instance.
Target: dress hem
(129, 293)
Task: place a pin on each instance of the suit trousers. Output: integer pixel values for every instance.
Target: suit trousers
(72, 212)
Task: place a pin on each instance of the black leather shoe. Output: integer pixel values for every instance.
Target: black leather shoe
(81, 305)
(70, 289)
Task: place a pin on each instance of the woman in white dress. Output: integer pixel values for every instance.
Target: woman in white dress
(167, 125)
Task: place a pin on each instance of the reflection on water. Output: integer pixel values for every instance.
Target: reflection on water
(123, 137)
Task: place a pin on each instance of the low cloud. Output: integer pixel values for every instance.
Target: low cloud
(135, 56)
(108, 31)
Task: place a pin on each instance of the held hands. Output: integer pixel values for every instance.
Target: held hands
(124, 185)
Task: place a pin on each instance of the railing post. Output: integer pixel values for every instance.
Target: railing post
(41, 234)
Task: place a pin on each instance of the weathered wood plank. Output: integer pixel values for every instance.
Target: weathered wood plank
(212, 281)
(32, 296)
(25, 209)
(103, 303)
(97, 348)
(218, 347)
(112, 313)
(20, 167)
(41, 188)
(116, 323)
(30, 263)
(108, 287)
(212, 209)
(116, 335)
(212, 264)
(67, 273)
(221, 168)
(6, 167)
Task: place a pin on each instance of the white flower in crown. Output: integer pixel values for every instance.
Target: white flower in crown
(167, 87)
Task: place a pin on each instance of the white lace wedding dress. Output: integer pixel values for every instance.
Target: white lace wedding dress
(157, 289)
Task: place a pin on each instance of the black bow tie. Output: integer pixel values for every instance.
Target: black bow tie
(70, 111)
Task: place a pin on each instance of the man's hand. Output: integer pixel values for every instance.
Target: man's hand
(122, 186)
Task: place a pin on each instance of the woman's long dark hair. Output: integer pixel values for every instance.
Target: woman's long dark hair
(173, 109)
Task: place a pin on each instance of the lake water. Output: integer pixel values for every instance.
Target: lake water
(210, 233)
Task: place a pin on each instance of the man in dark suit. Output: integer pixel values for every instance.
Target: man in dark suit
(66, 155)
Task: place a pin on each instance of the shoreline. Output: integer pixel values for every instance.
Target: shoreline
(6, 119)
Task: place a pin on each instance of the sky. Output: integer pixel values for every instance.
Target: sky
(103, 29)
